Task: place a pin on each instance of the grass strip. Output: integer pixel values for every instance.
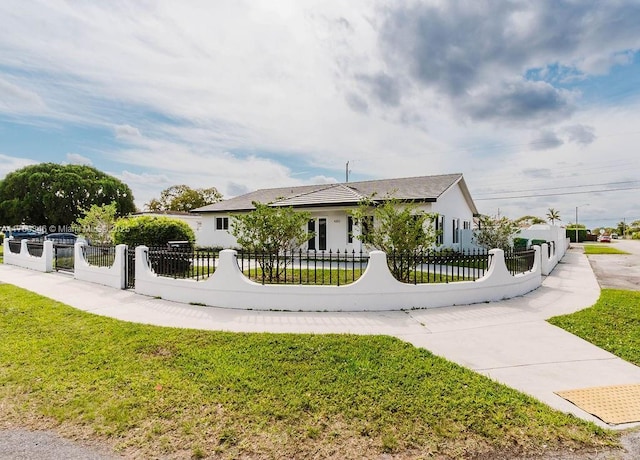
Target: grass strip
(612, 323)
(600, 249)
(178, 393)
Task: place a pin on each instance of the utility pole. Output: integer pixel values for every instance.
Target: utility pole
(346, 172)
(576, 224)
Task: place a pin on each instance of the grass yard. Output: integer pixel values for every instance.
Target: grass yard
(613, 323)
(177, 393)
(602, 249)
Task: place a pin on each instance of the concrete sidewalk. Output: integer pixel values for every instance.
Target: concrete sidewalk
(509, 341)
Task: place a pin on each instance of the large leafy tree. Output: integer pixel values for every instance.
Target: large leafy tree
(271, 232)
(56, 195)
(494, 232)
(184, 198)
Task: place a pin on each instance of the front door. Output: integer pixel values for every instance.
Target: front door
(317, 228)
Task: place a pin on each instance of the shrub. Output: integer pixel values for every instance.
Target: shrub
(537, 242)
(151, 231)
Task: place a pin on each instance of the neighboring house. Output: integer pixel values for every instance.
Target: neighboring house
(330, 206)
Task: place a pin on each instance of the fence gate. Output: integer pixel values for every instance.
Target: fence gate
(63, 260)
(130, 270)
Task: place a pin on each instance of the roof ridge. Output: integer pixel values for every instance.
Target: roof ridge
(321, 188)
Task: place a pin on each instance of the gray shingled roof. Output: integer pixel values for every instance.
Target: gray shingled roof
(422, 188)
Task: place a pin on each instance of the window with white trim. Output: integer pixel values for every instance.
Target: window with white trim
(222, 223)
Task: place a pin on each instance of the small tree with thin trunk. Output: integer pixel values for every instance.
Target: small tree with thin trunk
(271, 232)
(494, 232)
(98, 223)
(399, 229)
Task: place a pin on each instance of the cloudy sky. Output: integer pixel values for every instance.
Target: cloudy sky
(537, 103)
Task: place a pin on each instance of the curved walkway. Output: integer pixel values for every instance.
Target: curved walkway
(509, 341)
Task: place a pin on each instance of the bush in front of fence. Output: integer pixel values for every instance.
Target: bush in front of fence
(151, 231)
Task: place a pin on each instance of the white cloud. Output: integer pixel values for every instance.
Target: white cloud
(9, 164)
(234, 94)
(77, 159)
(126, 132)
(16, 99)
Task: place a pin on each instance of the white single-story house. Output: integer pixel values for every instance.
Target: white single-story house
(330, 206)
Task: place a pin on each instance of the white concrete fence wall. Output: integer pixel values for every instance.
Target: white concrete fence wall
(44, 263)
(376, 289)
(114, 276)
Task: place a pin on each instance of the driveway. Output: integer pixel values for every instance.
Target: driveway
(616, 271)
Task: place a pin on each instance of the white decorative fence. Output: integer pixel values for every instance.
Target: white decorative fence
(114, 276)
(41, 263)
(376, 289)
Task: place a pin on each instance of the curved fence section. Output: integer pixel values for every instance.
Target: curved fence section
(376, 289)
(317, 268)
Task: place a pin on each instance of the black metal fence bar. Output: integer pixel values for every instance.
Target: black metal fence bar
(35, 248)
(63, 260)
(183, 263)
(435, 266)
(14, 246)
(99, 256)
(519, 261)
(303, 267)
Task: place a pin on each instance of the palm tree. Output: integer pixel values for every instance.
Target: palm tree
(553, 215)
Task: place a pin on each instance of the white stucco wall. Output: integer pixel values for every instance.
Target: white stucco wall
(453, 205)
(43, 263)
(114, 276)
(375, 290)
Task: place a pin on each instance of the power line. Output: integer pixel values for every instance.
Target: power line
(569, 186)
(556, 194)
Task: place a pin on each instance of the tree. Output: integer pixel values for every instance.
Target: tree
(553, 215)
(98, 223)
(54, 195)
(528, 221)
(184, 198)
(271, 232)
(151, 231)
(399, 229)
(398, 226)
(494, 232)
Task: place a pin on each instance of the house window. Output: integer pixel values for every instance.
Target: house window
(466, 225)
(349, 229)
(311, 231)
(456, 230)
(322, 234)
(440, 230)
(367, 228)
(222, 223)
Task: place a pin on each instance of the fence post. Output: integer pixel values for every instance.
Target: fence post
(120, 264)
(47, 253)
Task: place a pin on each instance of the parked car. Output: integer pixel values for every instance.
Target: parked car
(604, 239)
(62, 238)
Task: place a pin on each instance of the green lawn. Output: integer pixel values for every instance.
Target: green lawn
(613, 323)
(602, 248)
(176, 393)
